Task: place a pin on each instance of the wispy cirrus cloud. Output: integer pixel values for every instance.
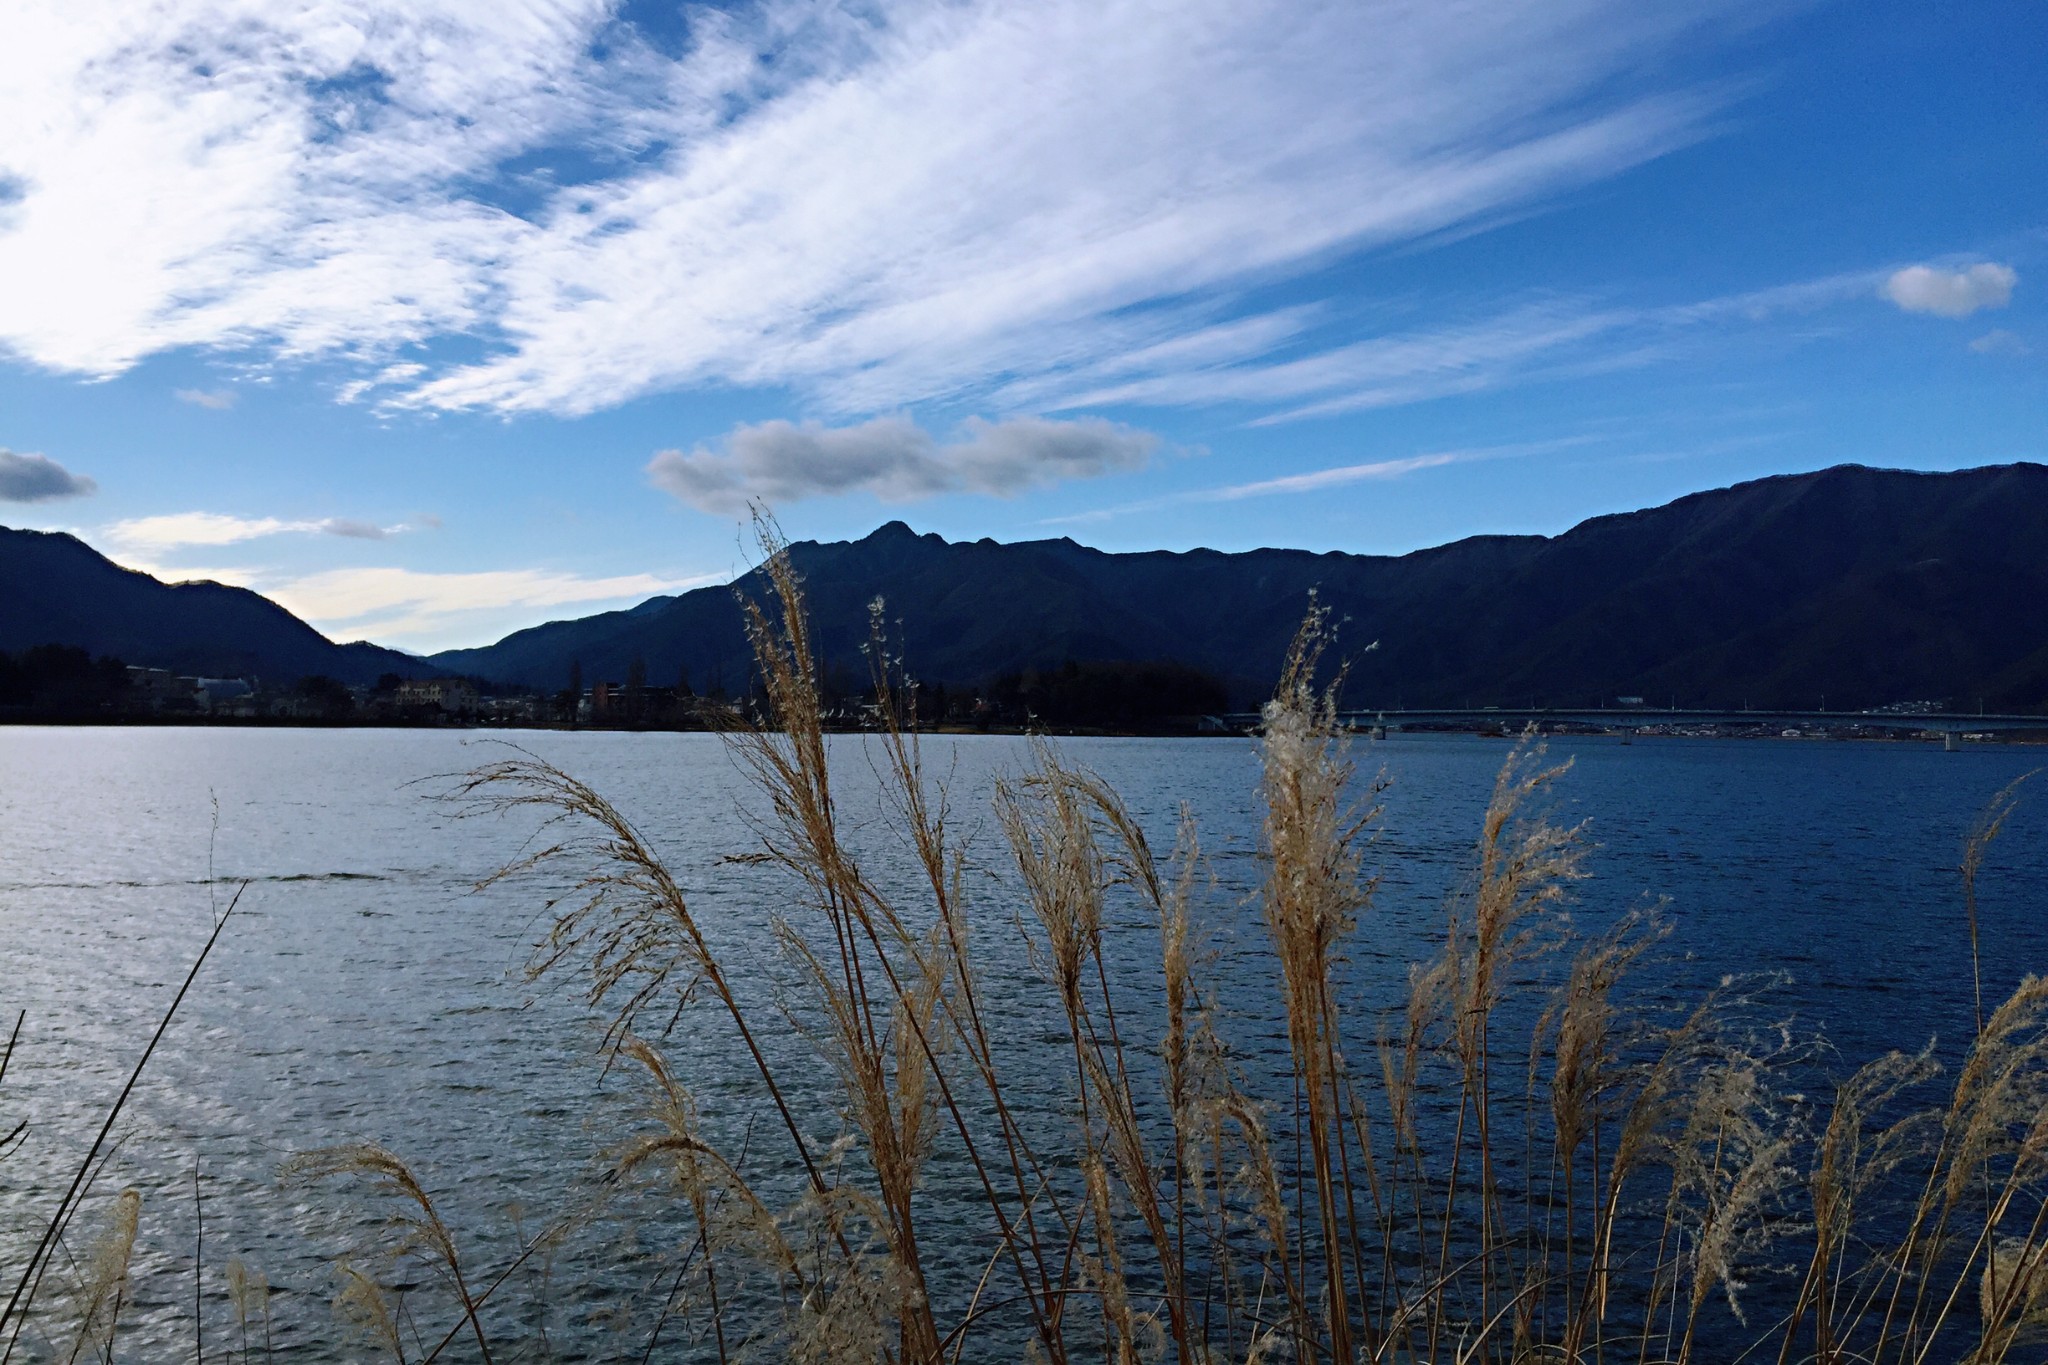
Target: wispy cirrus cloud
(423, 610)
(895, 459)
(1378, 372)
(229, 172)
(218, 400)
(330, 180)
(173, 531)
(1320, 480)
(1316, 480)
(412, 608)
(1547, 339)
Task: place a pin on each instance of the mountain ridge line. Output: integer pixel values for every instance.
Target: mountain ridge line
(1855, 585)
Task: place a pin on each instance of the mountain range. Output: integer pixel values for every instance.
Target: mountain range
(1849, 587)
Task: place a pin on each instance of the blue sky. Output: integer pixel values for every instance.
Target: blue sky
(434, 319)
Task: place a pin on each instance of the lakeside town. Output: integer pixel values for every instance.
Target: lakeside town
(55, 684)
(62, 684)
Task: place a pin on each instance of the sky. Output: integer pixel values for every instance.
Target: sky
(433, 319)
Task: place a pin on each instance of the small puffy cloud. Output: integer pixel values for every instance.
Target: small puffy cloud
(895, 459)
(358, 530)
(220, 400)
(38, 478)
(1999, 341)
(183, 530)
(1951, 293)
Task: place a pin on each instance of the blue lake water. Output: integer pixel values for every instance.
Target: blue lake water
(364, 990)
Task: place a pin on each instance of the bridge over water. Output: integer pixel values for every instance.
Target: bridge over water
(1626, 721)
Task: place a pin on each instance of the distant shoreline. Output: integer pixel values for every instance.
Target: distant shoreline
(145, 722)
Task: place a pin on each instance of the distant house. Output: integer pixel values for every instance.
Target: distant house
(225, 696)
(514, 708)
(449, 696)
(159, 689)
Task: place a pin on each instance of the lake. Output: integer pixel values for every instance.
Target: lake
(364, 990)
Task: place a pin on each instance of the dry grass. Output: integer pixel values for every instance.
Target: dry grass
(104, 1285)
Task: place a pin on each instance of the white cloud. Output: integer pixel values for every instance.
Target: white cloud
(1951, 293)
(185, 530)
(1999, 341)
(1377, 372)
(894, 459)
(422, 610)
(355, 390)
(179, 530)
(220, 400)
(38, 478)
(209, 172)
(912, 199)
(416, 609)
(1319, 480)
(1553, 338)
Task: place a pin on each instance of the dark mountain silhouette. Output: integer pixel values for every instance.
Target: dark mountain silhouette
(1860, 586)
(55, 589)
